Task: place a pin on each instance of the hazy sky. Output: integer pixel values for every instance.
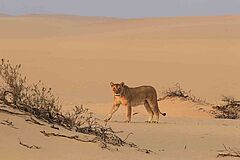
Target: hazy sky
(122, 8)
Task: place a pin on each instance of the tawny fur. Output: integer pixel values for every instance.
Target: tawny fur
(131, 97)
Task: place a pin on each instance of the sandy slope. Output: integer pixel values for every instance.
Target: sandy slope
(179, 136)
(79, 56)
(53, 148)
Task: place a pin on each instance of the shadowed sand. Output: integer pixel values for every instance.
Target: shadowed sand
(79, 56)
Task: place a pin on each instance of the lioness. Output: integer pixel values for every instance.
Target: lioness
(131, 97)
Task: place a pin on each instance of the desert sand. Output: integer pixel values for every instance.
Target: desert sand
(78, 57)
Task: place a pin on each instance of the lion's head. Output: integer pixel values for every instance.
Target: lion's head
(117, 88)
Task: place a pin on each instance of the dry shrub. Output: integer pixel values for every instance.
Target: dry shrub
(230, 109)
(14, 82)
(178, 92)
(39, 101)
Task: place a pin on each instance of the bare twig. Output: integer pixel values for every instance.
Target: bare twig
(54, 127)
(75, 137)
(28, 146)
(8, 123)
(147, 151)
(128, 136)
(32, 120)
(12, 113)
(229, 152)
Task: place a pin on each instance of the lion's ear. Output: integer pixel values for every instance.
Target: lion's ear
(122, 83)
(111, 84)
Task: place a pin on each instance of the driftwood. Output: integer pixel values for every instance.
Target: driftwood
(229, 152)
(29, 146)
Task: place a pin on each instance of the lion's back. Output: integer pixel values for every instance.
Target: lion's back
(140, 94)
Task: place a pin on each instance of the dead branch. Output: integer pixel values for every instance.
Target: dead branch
(8, 123)
(28, 146)
(75, 137)
(12, 113)
(229, 152)
(128, 136)
(54, 127)
(101, 143)
(32, 120)
(147, 151)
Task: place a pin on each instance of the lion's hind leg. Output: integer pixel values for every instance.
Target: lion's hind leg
(149, 110)
(155, 109)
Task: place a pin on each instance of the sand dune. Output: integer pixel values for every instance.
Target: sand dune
(186, 133)
(50, 147)
(78, 56)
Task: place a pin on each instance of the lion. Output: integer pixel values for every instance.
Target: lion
(131, 97)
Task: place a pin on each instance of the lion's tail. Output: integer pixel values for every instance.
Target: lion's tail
(162, 113)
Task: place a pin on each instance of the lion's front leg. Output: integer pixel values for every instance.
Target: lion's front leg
(113, 110)
(129, 113)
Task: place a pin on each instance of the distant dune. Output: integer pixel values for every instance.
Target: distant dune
(79, 56)
(3, 15)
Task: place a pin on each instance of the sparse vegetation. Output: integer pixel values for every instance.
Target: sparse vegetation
(228, 152)
(230, 109)
(40, 102)
(13, 82)
(178, 92)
